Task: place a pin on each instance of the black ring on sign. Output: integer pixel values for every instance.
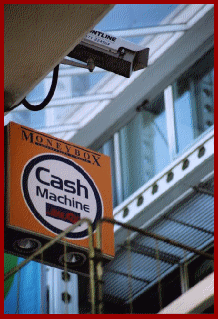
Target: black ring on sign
(30, 204)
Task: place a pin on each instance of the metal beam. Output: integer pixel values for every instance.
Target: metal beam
(151, 252)
(64, 72)
(188, 225)
(128, 275)
(150, 30)
(75, 100)
(155, 236)
(59, 128)
(170, 193)
(203, 190)
(179, 55)
(170, 121)
(184, 278)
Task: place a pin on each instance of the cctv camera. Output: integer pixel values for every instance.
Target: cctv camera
(110, 53)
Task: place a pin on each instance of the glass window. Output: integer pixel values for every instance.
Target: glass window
(37, 93)
(81, 84)
(194, 101)
(129, 16)
(108, 149)
(23, 116)
(70, 84)
(144, 147)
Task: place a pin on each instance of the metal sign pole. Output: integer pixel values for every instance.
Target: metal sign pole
(92, 270)
(99, 270)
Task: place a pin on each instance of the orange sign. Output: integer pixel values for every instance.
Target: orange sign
(53, 183)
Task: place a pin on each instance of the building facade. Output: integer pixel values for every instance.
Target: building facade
(158, 129)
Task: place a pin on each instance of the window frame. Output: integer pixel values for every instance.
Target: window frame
(185, 48)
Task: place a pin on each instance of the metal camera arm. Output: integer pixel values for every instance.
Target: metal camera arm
(90, 64)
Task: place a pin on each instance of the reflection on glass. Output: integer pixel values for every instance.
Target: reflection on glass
(136, 40)
(82, 84)
(144, 147)
(38, 93)
(122, 16)
(194, 101)
(129, 16)
(26, 117)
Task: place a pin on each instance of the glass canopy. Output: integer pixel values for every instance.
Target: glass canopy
(81, 95)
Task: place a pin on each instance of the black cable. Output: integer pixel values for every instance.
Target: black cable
(48, 98)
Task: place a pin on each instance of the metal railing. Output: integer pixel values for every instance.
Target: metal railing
(95, 257)
(99, 290)
(52, 242)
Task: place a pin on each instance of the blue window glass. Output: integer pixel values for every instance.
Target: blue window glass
(129, 16)
(37, 93)
(144, 147)
(194, 101)
(27, 117)
(81, 84)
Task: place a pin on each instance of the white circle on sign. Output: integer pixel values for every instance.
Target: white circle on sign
(59, 193)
